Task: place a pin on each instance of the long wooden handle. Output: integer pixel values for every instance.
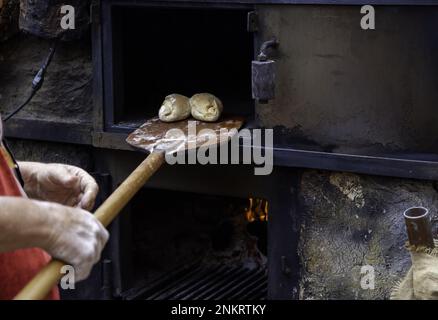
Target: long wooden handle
(39, 287)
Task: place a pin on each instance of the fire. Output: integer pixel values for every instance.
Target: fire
(257, 210)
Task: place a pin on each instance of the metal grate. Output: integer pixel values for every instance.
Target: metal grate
(207, 283)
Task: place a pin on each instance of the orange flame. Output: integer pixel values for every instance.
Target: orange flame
(257, 210)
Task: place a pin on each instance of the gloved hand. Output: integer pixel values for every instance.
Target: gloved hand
(425, 274)
(421, 281)
(69, 234)
(64, 184)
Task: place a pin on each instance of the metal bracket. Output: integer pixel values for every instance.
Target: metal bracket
(263, 73)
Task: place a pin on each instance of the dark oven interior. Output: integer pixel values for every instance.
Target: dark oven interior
(160, 50)
(183, 245)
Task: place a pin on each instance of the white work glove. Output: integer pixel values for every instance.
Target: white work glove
(64, 184)
(78, 239)
(71, 235)
(421, 281)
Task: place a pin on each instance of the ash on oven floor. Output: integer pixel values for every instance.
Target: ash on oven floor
(206, 283)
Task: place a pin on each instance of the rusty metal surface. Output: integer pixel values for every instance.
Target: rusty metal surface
(176, 136)
(351, 90)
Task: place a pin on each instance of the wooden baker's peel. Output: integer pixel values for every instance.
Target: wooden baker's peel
(153, 137)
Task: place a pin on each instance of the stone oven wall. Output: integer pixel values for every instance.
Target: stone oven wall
(66, 96)
(350, 221)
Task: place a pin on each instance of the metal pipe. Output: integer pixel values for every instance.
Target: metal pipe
(419, 227)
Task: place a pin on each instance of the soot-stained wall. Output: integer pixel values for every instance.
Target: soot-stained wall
(66, 95)
(350, 221)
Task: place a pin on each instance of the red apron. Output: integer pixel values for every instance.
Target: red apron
(20, 266)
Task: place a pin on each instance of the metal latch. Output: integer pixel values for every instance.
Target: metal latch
(263, 73)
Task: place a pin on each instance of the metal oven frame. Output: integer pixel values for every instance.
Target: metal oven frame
(103, 60)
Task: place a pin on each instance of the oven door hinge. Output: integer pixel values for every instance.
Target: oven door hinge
(252, 22)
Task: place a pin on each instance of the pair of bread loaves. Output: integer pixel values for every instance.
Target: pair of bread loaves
(202, 106)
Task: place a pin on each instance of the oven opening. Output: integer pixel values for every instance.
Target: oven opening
(160, 51)
(197, 247)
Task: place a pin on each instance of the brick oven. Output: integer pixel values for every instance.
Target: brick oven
(352, 108)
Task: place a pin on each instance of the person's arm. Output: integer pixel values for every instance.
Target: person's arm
(64, 184)
(69, 234)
